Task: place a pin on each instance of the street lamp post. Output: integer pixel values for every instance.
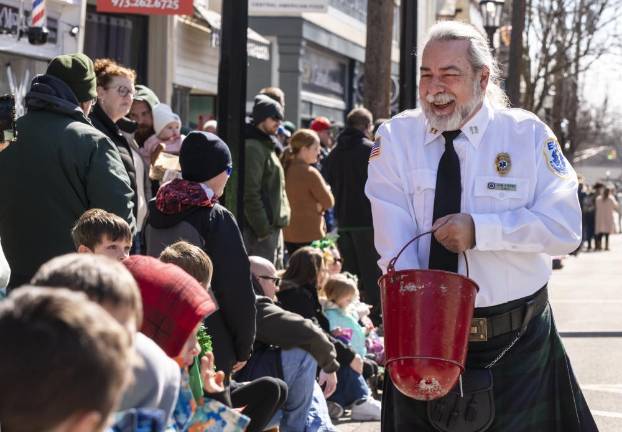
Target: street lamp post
(491, 14)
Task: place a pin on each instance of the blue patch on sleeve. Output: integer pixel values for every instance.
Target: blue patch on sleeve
(555, 158)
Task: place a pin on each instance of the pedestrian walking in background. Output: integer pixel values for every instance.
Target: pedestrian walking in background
(266, 208)
(308, 194)
(59, 167)
(346, 172)
(606, 204)
(115, 93)
(588, 217)
(491, 182)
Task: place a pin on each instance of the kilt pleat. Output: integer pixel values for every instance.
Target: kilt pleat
(535, 389)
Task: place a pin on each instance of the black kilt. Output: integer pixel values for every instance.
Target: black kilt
(535, 389)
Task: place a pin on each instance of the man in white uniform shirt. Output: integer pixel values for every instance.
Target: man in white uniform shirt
(506, 196)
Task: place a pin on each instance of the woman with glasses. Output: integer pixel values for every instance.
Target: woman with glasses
(115, 93)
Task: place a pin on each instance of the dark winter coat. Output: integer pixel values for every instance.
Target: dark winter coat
(59, 167)
(213, 227)
(266, 208)
(345, 169)
(304, 301)
(104, 124)
(287, 330)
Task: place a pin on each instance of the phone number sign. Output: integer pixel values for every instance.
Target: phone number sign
(146, 7)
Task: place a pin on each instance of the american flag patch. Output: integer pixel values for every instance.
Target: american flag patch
(375, 149)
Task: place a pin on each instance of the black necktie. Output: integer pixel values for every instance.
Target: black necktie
(446, 201)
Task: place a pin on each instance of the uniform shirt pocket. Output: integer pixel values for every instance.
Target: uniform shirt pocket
(499, 194)
(422, 184)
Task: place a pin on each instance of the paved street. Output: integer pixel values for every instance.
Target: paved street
(587, 301)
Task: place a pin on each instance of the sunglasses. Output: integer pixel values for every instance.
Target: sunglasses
(275, 280)
(229, 170)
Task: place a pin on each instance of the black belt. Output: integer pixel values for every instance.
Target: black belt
(483, 329)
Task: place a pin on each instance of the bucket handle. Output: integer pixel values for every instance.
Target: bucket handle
(391, 266)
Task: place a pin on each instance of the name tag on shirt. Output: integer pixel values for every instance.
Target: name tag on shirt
(502, 188)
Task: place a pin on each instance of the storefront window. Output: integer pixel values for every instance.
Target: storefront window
(323, 73)
(202, 109)
(16, 74)
(122, 38)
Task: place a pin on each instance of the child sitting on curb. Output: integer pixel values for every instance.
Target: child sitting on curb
(175, 305)
(64, 362)
(341, 291)
(156, 377)
(260, 398)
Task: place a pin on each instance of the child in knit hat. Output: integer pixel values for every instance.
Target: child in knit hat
(174, 306)
(188, 209)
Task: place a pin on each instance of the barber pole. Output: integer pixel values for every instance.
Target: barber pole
(38, 13)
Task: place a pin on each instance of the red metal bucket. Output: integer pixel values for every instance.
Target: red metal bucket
(427, 317)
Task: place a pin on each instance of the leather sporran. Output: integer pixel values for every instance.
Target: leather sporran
(474, 411)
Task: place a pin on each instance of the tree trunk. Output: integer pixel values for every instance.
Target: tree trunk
(377, 79)
(516, 52)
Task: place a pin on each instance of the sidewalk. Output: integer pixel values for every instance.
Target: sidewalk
(586, 296)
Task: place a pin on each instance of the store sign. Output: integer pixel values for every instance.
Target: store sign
(146, 7)
(286, 7)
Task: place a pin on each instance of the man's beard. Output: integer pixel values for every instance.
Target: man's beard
(142, 133)
(454, 120)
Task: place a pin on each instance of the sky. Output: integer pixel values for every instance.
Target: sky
(605, 78)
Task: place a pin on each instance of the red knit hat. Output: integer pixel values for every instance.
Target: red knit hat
(320, 123)
(173, 302)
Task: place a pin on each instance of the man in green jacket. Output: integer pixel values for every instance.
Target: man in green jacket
(266, 208)
(59, 167)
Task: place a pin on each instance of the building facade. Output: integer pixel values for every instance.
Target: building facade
(19, 59)
(317, 58)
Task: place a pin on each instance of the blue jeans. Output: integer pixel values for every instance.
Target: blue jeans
(350, 387)
(318, 419)
(305, 408)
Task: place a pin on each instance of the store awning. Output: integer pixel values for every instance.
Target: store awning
(257, 46)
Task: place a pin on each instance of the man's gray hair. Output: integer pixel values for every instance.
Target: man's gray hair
(479, 54)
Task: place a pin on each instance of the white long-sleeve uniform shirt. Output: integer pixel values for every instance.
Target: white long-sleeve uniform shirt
(516, 184)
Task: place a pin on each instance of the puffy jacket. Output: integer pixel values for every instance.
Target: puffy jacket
(59, 167)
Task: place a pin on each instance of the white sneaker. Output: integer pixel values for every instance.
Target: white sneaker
(366, 409)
